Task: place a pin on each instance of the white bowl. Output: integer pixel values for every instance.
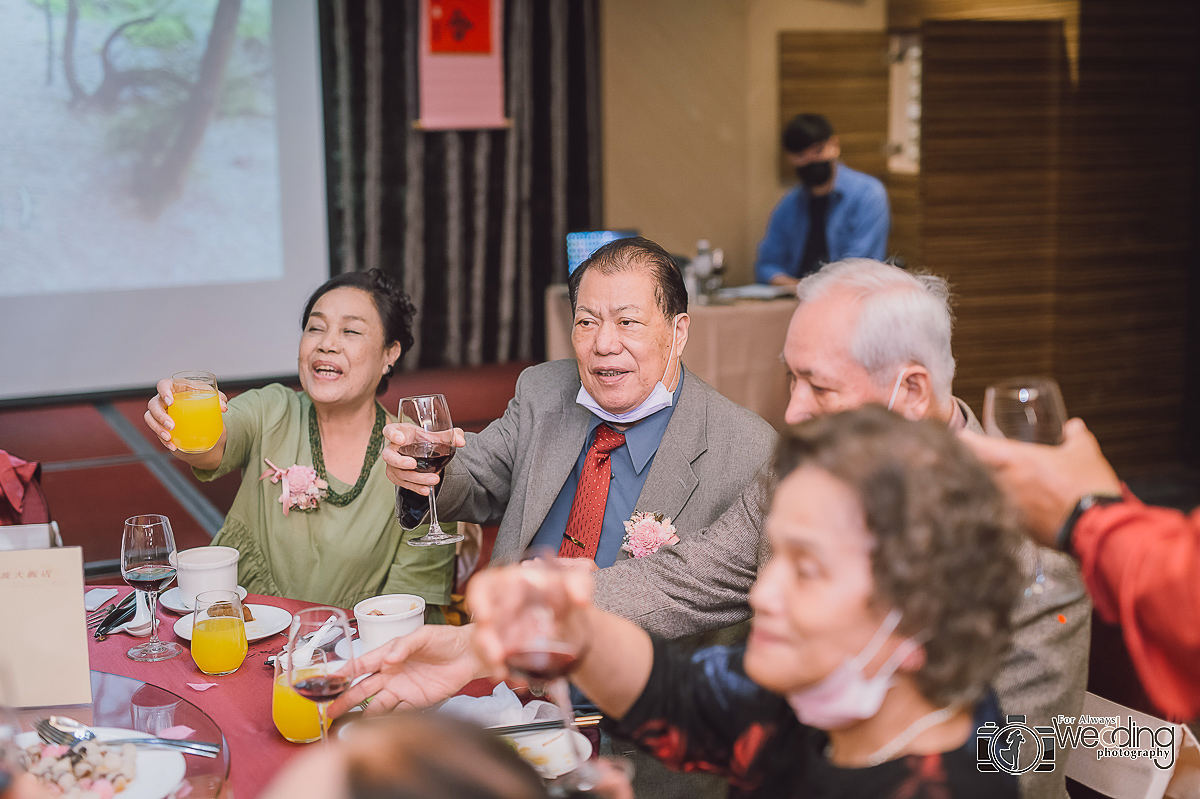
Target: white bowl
(398, 615)
(205, 569)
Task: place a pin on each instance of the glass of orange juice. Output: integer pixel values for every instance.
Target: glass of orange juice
(218, 632)
(196, 411)
(297, 719)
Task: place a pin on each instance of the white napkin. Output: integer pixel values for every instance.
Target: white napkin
(500, 709)
(95, 598)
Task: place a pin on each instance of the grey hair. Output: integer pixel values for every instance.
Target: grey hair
(904, 318)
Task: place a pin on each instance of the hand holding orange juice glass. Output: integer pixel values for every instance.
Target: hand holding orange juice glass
(196, 410)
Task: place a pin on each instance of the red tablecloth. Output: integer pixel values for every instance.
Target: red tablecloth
(240, 704)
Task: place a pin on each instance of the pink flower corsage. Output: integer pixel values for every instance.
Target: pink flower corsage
(646, 532)
(302, 488)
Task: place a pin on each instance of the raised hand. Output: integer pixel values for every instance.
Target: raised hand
(157, 418)
(1045, 482)
(402, 469)
(418, 670)
(528, 601)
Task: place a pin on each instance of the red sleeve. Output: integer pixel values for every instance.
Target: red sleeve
(1141, 565)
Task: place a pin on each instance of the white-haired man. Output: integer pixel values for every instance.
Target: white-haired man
(864, 332)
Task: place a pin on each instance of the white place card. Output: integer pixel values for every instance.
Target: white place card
(43, 630)
(1132, 755)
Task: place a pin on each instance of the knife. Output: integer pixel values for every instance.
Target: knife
(122, 613)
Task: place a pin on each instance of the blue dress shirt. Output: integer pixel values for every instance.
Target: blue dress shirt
(857, 227)
(630, 468)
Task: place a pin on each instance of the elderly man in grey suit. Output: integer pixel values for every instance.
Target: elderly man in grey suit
(863, 332)
(584, 445)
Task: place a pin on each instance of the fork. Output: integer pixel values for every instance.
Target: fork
(99, 613)
(53, 735)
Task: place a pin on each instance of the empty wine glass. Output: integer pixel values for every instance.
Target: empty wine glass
(1026, 409)
(543, 642)
(1029, 409)
(320, 657)
(432, 450)
(146, 564)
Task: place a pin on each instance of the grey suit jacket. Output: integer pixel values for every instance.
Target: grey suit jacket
(512, 471)
(703, 583)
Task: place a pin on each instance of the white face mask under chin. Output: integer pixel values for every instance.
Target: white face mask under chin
(659, 397)
(846, 695)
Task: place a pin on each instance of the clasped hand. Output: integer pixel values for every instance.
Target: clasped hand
(402, 469)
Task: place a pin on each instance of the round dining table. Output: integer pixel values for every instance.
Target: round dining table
(233, 710)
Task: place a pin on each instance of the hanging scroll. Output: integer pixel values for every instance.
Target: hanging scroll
(461, 64)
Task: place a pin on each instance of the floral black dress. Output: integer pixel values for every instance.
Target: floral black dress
(700, 712)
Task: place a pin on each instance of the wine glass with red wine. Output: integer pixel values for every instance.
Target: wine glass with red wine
(320, 656)
(432, 450)
(147, 547)
(543, 639)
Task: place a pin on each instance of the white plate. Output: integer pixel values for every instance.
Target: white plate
(268, 620)
(159, 771)
(170, 600)
(344, 648)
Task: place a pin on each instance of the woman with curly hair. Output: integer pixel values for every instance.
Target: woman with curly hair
(354, 329)
(879, 622)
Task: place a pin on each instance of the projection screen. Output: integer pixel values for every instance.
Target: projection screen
(162, 190)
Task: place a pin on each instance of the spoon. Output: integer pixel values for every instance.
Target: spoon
(67, 726)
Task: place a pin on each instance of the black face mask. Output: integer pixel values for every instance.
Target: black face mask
(815, 174)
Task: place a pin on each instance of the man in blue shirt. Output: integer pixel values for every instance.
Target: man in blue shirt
(836, 212)
(679, 448)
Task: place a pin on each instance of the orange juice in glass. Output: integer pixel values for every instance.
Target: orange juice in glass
(196, 411)
(218, 632)
(296, 718)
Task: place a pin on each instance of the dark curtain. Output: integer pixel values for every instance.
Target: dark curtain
(471, 223)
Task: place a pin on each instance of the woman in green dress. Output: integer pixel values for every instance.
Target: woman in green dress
(347, 545)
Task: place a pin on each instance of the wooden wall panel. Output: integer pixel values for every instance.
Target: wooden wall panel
(843, 75)
(991, 99)
(909, 14)
(1125, 226)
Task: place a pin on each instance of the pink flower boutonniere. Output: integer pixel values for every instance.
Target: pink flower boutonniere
(646, 532)
(302, 488)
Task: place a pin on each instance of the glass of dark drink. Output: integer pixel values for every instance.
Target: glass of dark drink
(320, 657)
(544, 637)
(432, 450)
(146, 549)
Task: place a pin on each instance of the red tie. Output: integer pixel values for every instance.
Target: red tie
(591, 495)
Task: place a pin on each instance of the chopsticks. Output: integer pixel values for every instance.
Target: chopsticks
(588, 720)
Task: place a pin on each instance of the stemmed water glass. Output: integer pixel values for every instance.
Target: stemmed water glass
(543, 642)
(147, 547)
(1029, 409)
(320, 656)
(432, 450)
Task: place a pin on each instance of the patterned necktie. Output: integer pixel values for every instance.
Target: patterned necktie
(591, 495)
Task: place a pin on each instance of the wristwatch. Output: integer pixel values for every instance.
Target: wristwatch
(1088, 501)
